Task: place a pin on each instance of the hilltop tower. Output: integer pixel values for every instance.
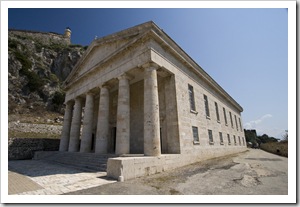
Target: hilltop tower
(68, 32)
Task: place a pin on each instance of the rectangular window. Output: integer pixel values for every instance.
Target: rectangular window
(243, 141)
(231, 119)
(240, 141)
(225, 118)
(240, 124)
(217, 112)
(206, 105)
(234, 139)
(192, 98)
(195, 134)
(237, 127)
(210, 136)
(221, 138)
(229, 141)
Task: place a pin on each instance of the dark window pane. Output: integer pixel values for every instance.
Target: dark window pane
(206, 105)
(192, 98)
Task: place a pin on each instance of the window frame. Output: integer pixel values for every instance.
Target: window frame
(206, 106)
(195, 138)
(240, 124)
(210, 137)
(225, 117)
(217, 112)
(231, 119)
(221, 138)
(237, 127)
(228, 139)
(192, 98)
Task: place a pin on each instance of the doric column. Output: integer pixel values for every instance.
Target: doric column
(123, 116)
(65, 135)
(151, 112)
(87, 129)
(75, 126)
(103, 121)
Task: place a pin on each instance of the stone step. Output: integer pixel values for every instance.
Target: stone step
(89, 161)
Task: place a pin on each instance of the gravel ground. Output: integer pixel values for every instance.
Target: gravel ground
(34, 128)
(254, 172)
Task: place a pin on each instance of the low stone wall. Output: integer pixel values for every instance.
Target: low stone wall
(24, 148)
(125, 168)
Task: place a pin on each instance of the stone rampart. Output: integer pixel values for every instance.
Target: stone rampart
(46, 38)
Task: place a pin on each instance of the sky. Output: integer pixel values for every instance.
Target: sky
(244, 50)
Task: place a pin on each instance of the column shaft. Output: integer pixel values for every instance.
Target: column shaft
(75, 126)
(65, 135)
(151, 113)
(123, 117)
(103, 122)
(87, 130)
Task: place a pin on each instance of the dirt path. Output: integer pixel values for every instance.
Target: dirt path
(254, 172)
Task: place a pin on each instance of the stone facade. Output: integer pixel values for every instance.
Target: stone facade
(137, 92)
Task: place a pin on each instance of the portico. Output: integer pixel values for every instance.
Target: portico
(121, 116)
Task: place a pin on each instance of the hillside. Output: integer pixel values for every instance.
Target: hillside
(38, 63)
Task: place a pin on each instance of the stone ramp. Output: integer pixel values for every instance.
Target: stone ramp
(18, 183)
(85, 161)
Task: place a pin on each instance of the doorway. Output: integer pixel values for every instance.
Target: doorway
(114, 137)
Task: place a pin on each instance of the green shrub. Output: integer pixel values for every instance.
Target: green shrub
(13, 44)
(75, 45)
(38, 46)
(53, 78)
(35, 83)
(58, 98)
(25, 62)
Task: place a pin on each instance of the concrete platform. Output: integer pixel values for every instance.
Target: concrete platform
(129, 167)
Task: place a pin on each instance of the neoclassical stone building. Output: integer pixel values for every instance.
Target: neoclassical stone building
(138, 95)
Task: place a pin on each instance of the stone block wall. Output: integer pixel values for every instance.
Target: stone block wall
(24, 148)
(199, 119)
(186, 75)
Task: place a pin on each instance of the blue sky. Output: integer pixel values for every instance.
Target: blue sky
(244, 50)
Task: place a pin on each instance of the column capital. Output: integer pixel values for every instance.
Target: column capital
(104, 85)
(78, 98)
(151, 65)
(125, 76)
(89, 93)
(70, 102)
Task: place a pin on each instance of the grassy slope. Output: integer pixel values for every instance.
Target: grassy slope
(279, 148)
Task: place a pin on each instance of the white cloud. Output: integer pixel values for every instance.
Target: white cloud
(274, 132)
(255, 123)
(258, 125)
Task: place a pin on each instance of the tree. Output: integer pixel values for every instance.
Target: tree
(285, 136)
(250, 135)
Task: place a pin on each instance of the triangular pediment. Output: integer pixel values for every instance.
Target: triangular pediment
(103, 48)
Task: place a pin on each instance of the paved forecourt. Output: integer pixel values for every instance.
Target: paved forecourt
(36, 177)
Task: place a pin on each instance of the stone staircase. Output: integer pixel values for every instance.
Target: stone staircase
(83, 161)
